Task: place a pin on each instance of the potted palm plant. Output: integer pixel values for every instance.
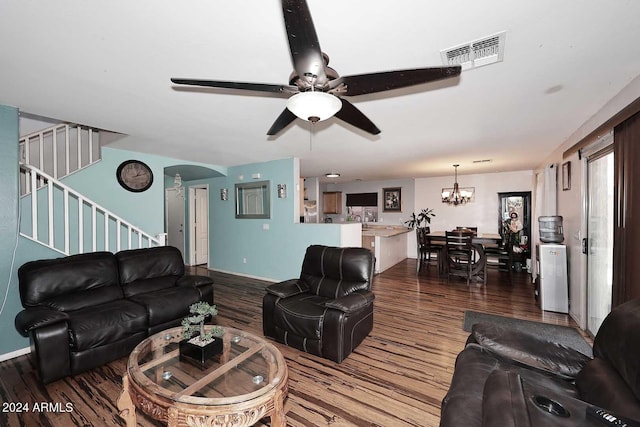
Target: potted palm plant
(206, 343)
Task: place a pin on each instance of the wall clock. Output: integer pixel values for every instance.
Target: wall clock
(134, 175)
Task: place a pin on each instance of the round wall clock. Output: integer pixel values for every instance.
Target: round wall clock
(134, 175)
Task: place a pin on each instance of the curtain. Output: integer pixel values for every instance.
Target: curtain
(626, 245)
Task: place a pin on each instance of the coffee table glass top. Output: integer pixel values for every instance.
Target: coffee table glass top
(248, 367)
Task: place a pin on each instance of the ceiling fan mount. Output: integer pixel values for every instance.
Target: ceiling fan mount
(317, 90)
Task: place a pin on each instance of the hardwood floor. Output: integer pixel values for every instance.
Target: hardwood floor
(396, 377)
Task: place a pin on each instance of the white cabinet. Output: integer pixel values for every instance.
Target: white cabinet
(553, 289)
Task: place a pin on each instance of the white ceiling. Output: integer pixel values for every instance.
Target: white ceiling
(107, 64)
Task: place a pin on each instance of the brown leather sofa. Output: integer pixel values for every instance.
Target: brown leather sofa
(82, 311)
(328, 311)
(507, 378)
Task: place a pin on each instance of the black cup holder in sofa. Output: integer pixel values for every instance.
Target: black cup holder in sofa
(550, 406)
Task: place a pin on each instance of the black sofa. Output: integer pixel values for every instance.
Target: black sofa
(82, 311)
(328, 311)
(506, 378)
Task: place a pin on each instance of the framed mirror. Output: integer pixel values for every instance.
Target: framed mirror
(252, 200)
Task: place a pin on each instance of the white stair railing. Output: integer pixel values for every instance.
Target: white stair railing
(59, 151)
(62, 219)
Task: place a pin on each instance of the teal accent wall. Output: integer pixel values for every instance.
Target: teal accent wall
(276, 253)
(144, 210)
(25, 250)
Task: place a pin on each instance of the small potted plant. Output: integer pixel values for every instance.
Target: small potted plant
(206, 343)
(416, 221)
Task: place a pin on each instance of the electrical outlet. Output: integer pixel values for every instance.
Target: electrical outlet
(244, 260)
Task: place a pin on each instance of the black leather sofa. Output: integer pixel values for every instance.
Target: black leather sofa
(328, 311)
(82, 311)
(506, 378)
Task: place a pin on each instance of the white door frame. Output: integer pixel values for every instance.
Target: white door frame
(192, 222)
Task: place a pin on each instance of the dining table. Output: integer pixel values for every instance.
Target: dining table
(479, 241)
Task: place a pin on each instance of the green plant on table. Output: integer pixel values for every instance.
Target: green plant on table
(194, 323)
(424, 216)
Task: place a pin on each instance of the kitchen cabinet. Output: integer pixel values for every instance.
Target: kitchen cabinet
(332, 202)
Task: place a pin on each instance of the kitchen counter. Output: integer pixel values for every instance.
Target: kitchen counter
(389, 244)
(383, 231)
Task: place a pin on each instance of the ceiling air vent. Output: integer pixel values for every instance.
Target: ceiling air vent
(477, 53)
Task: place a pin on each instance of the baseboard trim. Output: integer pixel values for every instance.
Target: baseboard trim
(13, 354)
(235, 273)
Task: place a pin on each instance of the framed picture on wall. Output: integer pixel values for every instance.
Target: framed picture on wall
(566, 176)
(392, 199)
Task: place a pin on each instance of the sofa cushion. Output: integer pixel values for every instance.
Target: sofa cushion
(529, 350)
(617, 339)
(462, 406)
(167, 304)
(336, 272)
(163, 264)
(105, 323)
(301, 315)
(70, 283)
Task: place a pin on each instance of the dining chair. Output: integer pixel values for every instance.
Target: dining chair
(461, 258)
(426, 248)
(474, 230)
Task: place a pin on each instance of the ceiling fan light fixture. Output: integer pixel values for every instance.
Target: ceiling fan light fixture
(314, 106)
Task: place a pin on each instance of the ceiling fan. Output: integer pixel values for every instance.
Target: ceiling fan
(317, 89)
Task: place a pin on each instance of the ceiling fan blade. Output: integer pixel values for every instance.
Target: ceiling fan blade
(281, 122)
(306, 54)
(256, 87)
(378, 82)
(350, 114)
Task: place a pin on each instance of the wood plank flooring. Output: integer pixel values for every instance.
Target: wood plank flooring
(396, 377)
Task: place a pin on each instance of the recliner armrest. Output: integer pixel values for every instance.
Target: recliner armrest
(194, 280)
(33, 318)
(529, 351)
(288, 288)
(352, 302)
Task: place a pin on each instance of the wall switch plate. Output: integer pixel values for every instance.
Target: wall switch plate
(265, 226)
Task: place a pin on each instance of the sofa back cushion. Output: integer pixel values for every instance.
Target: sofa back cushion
(335, 272)
(618, 342)
(70, 283)
(149, 269)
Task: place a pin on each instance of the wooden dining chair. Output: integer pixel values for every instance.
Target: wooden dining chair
(461, 257)
(426, 248)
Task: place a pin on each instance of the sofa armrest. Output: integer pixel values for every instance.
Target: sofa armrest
(352, 302)
(194, 280)
(287, 288)
(33, 318)
(528, 350)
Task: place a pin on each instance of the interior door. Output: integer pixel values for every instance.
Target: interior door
(174, 218)
(200, 225)
(599, 243)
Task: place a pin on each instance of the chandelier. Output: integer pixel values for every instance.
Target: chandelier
(455, 196)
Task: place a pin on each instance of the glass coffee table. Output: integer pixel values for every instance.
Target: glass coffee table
(247, 381)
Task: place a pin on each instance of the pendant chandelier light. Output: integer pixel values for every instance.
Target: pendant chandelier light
(455, 196)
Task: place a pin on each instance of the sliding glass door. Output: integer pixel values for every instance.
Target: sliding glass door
(599, 243)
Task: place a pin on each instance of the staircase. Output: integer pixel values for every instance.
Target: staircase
(53, 214)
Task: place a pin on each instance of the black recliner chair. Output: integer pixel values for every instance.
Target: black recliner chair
(328, 311)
